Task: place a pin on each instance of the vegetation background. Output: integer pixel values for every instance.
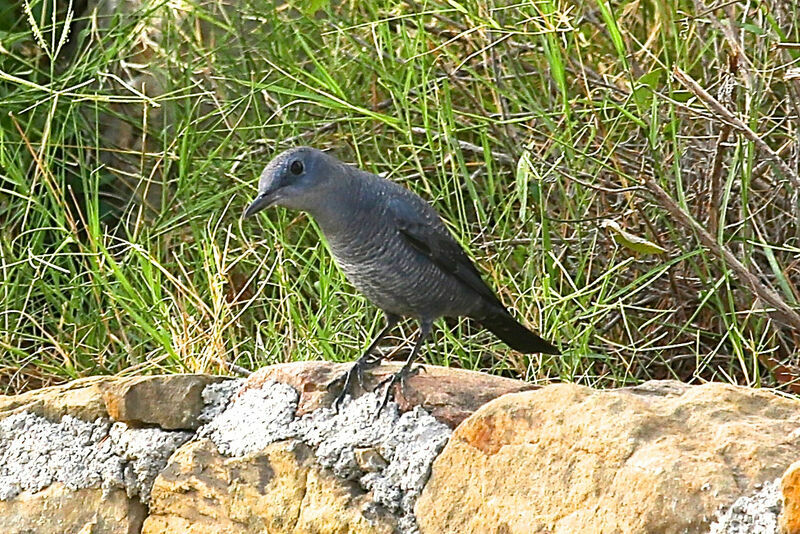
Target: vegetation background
(625, 173)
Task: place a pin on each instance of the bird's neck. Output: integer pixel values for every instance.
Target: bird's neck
(343, 208)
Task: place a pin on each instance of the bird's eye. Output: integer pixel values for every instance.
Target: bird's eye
(296, 167)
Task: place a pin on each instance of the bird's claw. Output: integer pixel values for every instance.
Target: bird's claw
(346, 380)
(400, 377)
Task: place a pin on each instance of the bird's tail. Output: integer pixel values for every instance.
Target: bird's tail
(516, 336)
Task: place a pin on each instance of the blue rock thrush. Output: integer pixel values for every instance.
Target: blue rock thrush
(393, 247)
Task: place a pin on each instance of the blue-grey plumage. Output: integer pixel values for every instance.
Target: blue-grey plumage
(390, 244)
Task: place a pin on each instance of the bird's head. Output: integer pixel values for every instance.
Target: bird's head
(298, 178)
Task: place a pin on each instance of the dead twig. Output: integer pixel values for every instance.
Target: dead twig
(716, 179)
(727, 91)
(727, 31)
(724, 114)
(761, 168)
(767, 294)
(238, 369)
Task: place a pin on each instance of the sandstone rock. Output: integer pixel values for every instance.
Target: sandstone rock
(67, 511)
(351, 471)
(450, 395)
(171, 401)
(659, 458)
(387, 454)
(36, 453)
(82, 398)
(790, 489)
(67, 468)
(168, 401)
(279, 489)
(663, 457)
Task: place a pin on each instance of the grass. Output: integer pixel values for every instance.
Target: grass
(131, 142)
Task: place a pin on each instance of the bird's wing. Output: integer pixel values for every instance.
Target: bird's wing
(424, 232)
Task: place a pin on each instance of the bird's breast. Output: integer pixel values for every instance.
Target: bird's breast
(396, 277)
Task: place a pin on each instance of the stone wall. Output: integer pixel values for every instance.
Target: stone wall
(458, 452)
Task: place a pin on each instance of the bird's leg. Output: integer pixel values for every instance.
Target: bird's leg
(366, 361)
(405, 372)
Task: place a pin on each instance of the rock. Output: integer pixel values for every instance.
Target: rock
(170, 402)
(65, 467)
(60, 509)
(450, 395)
(658, 458)
(82, 398)
(403, 445)
(353, 468)
(790, 491)
(663, 457)
(278, 489)
(756, 513)
(36, 453)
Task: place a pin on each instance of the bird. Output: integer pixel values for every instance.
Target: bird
(394, 248)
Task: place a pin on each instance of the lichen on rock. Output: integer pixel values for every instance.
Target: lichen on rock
(252, 419)
(36, 452)
(402, 446)
(751, 514)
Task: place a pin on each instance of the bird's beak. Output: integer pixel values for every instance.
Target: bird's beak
(262, 201)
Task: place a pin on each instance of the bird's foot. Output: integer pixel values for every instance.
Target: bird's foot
(399, 377)
(355, 374)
